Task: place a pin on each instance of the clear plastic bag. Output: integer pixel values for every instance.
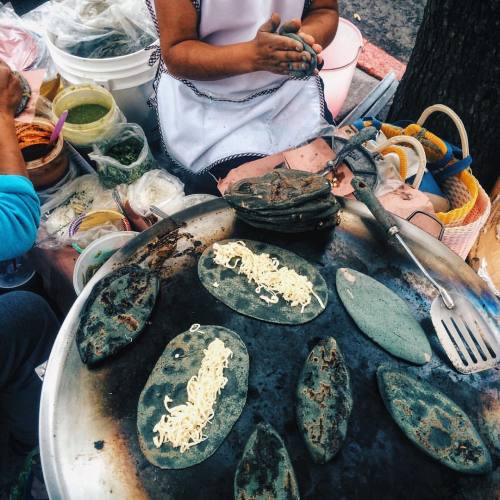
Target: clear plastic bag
(83, 194)
(21, 43)
(123, 158)
(98, 29)
(82, 239)
(156, 187)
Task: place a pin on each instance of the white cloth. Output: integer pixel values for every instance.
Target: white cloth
(206, 123)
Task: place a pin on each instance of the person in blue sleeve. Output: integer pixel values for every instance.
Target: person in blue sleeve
(27, 324)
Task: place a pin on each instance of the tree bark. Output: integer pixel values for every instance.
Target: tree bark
(456, 61)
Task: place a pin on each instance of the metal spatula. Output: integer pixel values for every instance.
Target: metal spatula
(471, 343)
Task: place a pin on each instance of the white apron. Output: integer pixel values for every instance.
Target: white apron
(206, 123)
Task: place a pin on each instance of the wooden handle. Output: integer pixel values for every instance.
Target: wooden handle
(454, 117)
(419, 149)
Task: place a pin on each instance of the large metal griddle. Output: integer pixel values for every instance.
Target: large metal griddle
(88, 436)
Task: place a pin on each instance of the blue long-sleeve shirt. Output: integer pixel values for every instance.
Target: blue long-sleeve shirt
(19, 215)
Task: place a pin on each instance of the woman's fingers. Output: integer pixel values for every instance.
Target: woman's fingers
(272, 24)
(317, 48)
(309, 39)
(291, 56)
(292, 26)
(295, 66)
(285, 43)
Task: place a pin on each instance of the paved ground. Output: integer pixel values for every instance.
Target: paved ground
(390, 24)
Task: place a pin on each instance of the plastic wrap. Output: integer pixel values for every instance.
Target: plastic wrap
(81, 195)
(98, 29)
(156, 187)
(21, 43)
(388, 177)
(46, 195)
(82, 239)
(388, 174)
(123, 158)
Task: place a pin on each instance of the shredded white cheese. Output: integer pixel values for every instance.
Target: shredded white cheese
(267, 274)
(183, 424)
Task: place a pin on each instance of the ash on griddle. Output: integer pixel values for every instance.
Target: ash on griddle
(163, 248)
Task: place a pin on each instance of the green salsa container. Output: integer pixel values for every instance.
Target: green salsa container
(87, 122)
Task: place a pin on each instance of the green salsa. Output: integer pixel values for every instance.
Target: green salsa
(86, 113)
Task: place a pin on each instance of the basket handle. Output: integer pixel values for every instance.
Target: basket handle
(456, 120)
(419, 149)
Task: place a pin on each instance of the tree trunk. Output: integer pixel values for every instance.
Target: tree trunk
(456, 61)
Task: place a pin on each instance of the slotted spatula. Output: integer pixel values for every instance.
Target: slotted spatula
(471, 343)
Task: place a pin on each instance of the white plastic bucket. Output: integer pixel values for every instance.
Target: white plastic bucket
(129, 78)
(97, 253)
(340, 57)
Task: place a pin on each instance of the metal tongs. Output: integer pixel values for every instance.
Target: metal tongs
(354, 143)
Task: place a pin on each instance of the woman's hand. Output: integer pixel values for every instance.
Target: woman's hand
(10, 94)
(276, 53)
(10, 90)
(295, 26)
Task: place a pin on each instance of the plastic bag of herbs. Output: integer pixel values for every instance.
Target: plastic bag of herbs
(123, 158)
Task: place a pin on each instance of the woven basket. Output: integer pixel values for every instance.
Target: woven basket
(389, 147)
(462, 189)
(460, 236)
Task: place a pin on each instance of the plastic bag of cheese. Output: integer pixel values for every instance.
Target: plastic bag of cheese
(156, 187)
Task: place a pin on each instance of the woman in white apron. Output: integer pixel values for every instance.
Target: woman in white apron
(224, 92)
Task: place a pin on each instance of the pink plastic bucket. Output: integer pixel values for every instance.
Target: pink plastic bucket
(341, 57)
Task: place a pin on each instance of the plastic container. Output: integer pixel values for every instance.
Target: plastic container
(84, 135)
(50, 88)
(47, 169)
(91, 226)
(129, 78)
(340, 57)
(15, 273)
(96, 254)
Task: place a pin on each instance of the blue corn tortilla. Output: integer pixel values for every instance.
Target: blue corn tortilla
(383, 316)
(265, 470)
(236, 292)
(179, 362)
(307, 48)
(116, 312)
(433, 422)
(324, 400)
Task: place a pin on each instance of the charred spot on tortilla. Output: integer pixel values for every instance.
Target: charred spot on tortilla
(263, 281)
(182, 374)
(265, 470)
(116, 312)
